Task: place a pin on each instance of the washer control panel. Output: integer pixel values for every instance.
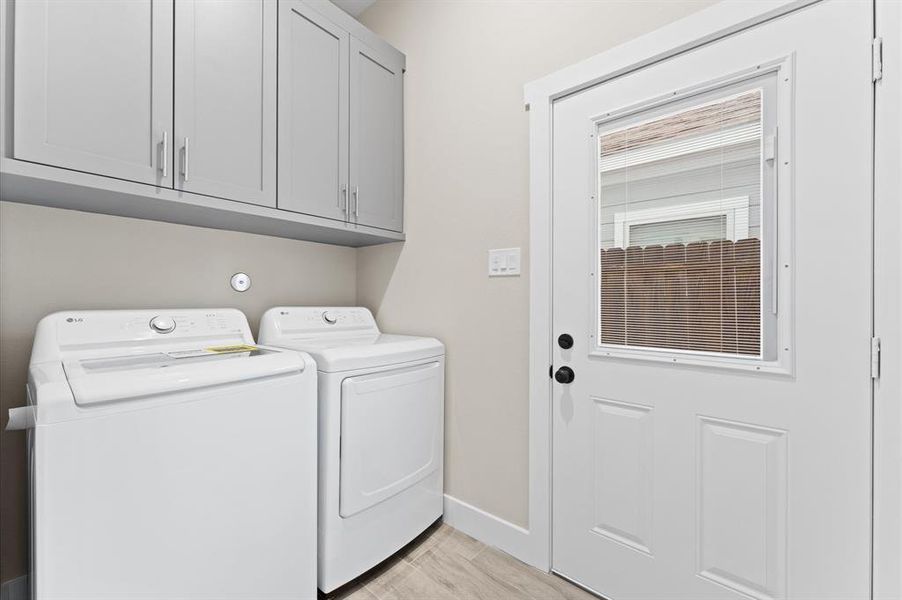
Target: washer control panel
(125, 325)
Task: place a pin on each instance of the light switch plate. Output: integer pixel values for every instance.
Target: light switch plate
(504, 262)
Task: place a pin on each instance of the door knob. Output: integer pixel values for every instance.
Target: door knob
(565, 341)
(564, 375)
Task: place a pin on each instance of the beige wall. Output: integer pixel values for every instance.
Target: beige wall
(467, 191)
(53, 259)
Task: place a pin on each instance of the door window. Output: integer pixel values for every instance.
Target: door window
(682, 207)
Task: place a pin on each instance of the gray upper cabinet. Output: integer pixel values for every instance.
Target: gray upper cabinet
(93, 87)
(225, 99)
(279, 117)
(377, 129)
(313, 112)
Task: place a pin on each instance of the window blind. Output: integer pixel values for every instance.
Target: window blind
(680, 227)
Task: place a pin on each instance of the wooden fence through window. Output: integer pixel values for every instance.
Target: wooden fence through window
(704, 296)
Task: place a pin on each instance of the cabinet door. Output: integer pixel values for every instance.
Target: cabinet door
(93, 87)
(225, 98)
(377, 167)
(313, 113)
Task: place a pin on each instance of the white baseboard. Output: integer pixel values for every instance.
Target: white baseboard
(491, 530)
(15, 589)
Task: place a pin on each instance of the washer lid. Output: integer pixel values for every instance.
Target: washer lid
(117, 378)
(347, 353)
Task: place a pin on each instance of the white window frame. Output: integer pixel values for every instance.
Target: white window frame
(735, 210)
(776, 333)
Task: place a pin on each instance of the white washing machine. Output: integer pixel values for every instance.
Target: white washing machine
(381, 415)
(169, 457)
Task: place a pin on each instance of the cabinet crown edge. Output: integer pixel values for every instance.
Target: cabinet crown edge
(355, 28)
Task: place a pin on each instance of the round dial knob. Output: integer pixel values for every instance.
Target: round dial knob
(330, 317)
(162, 324)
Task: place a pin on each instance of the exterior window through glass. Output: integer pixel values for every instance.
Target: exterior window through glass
(679, 229)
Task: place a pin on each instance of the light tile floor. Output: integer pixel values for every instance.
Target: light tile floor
(445, 564)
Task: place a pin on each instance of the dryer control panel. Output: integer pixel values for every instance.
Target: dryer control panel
(319, 320)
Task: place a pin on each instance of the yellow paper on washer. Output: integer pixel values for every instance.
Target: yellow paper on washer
(227, 349)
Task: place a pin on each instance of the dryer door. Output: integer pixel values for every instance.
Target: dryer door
(391, 433)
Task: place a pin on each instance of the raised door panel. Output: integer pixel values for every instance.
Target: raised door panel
(313, 113)
(377, 128)
(225, 98)
(741, 507)
(93, 87)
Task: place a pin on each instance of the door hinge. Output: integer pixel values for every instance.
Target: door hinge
(877, 59)
(875, 358)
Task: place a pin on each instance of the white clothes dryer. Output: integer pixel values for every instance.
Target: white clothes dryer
(381, 425)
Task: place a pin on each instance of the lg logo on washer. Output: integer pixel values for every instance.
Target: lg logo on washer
(74, 319)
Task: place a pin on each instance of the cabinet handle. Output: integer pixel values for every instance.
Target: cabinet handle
(356, 201)
(164, 163)
(185, 162)
(343, 199)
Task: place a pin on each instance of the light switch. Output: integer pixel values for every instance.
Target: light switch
(504, 262)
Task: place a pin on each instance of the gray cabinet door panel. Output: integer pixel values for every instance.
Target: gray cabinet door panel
(93, 87)
(225, 98)
(376, 158)
(313, 113)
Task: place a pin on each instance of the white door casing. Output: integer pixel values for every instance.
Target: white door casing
(726, 477)
(887, 300)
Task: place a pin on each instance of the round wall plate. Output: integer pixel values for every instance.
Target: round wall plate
(240, 282)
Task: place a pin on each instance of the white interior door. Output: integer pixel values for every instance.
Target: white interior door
(712, 263)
